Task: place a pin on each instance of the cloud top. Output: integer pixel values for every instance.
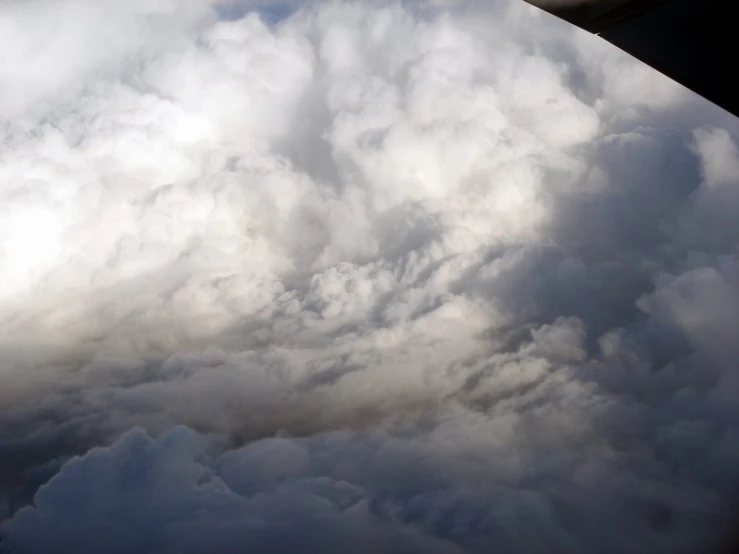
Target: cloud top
(404, 277)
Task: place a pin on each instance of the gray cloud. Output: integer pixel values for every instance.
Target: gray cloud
(396, 276)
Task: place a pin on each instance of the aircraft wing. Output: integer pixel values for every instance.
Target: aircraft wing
(691, 41)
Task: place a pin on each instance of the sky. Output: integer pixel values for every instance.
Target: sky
(431, 276)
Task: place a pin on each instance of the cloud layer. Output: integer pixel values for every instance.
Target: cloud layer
(403, 277)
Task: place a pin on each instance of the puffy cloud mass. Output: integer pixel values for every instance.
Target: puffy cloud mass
(359, 277)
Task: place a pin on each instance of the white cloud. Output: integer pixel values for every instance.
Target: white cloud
(425, 276)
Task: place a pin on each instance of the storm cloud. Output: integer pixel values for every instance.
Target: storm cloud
(359, 276)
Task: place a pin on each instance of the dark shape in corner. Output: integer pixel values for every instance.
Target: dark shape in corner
(690, 41)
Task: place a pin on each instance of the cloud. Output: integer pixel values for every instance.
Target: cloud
(407, 277)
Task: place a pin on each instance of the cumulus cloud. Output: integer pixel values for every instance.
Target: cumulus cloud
(359, 276)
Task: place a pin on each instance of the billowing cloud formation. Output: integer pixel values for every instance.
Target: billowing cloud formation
(419, 277)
